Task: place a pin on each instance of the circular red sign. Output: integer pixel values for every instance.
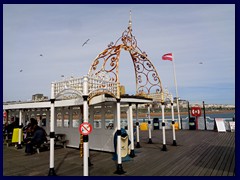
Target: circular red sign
(196, 111)
(85, 128)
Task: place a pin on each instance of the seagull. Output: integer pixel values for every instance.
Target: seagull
(85, 42)
(41, 55)
(21, 70)
(201, 63)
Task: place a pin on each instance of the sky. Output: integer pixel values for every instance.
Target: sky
(43, 42)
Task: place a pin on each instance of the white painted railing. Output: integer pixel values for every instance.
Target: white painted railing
(71, 86)
(68, 88)
(98, 85)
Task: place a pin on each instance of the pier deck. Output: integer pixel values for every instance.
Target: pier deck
(198, 153)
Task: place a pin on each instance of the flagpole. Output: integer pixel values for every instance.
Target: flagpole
(175, 82)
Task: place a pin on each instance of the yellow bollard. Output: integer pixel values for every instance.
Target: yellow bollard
(176, 126)
(144, 126)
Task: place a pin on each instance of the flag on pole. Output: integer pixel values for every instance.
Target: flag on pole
(167, 56)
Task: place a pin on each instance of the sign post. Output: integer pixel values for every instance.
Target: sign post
(4, 114)
(85, 128)
(196, 111)
(5, 117)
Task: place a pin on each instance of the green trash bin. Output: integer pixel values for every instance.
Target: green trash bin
(192, 123)
(155, 124)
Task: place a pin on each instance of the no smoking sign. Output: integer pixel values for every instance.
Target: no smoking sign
(85, 128)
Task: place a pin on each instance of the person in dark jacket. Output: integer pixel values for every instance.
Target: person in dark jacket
(38, 138)
(27, 131)
(9, 127)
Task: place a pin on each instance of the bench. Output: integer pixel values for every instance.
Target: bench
(8, 142)
(60, 140)
(7, 139)
(45, 146)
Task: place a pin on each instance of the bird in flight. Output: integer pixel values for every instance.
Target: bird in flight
(41, 55)
(200, 62)
(21, 70)
(85, 42)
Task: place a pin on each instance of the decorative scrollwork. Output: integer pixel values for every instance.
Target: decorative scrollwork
(146, 73)
(129, 40)
(147, 79)
(110, 44)
(108, 63)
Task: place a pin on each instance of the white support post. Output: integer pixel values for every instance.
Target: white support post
(19, 146)
(149, 127)
(119, 134)
(164, 148)
(137, 127)
(132, 154)
(52, 133)
(47, 120)
(119, 158)
(85, 119)
(173, 124)
(24, 122)
(128, 123)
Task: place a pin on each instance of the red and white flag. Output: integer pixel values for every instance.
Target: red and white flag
(167, 56)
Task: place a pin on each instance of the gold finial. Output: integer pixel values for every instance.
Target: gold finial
(130, 21)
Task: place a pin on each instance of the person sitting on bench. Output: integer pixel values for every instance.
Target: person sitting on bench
(38, 138)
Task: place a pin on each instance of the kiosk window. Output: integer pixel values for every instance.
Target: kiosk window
(109, 118)
(43, 119)
(66, 120)
(97, 117)
(59, 119)
(76, 119)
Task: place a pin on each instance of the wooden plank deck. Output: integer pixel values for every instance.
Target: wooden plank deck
(198, 153)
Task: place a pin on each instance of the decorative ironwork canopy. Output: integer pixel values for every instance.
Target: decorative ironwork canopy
(106, 65)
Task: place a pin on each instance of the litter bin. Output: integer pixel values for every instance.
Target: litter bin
(125, 143)
(155, 123)
(192, 123)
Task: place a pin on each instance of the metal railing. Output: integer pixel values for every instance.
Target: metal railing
(70, 88)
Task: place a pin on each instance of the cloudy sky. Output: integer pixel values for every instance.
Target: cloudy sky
(43, 42)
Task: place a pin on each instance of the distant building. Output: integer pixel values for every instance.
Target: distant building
(155, 96)
(183, 103)
(122, 90)
(157, 100)
(39, 97)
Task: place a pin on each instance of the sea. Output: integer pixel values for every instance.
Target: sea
(185, 120)
(212, 116)
(217, 115)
